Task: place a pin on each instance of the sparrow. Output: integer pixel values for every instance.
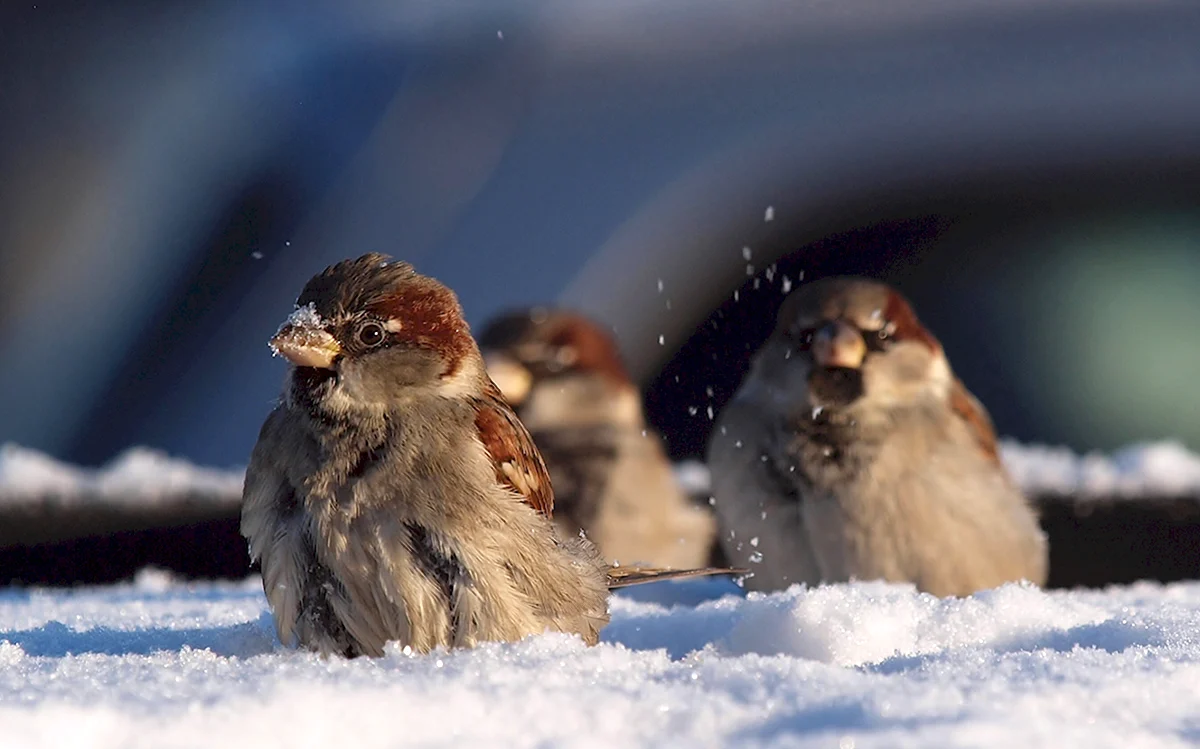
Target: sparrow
(852, 451)
(393, 496)
(611, 477)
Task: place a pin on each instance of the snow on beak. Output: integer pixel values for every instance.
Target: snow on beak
(303, 340)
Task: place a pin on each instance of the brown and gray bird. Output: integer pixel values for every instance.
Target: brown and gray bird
(394, 496)
(851, 451)
(564, 376)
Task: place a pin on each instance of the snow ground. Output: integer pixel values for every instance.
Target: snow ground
(158, 663)
(138, 475)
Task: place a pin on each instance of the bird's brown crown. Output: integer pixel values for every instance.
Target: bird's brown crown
(413, 309)
(555, 341)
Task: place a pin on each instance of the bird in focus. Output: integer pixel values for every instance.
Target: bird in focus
(564, 376)
(393, 496)
(851, 451)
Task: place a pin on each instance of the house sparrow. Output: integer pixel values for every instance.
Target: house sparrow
(394, 496)
(610, 474)
(851, 451)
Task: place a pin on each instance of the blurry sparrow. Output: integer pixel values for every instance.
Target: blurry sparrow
(611, 477)
(851, 451)
(393, 495)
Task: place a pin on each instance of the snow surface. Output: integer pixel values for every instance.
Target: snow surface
(137, 475)
(158, 663)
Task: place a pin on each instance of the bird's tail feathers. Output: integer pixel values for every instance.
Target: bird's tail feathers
(623, 577)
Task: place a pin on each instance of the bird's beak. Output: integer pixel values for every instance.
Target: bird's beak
(839, 344)
(513, 379)
(306, 346)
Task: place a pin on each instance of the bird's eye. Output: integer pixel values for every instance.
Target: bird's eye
(877, 340)
(371, 334)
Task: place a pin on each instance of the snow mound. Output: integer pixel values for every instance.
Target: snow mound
(1157, 468)
(137, 475)
(160, 663)
(144, 475)
(1149, 469)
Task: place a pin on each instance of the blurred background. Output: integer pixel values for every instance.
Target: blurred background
(171, 173)
(1028, 173)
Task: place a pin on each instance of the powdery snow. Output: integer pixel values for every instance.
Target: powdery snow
(1155, 468)
(159, 664)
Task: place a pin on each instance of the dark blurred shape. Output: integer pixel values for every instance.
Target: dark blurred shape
(1066, 314)
(1094, 542)
(170, 174)
(208, 550)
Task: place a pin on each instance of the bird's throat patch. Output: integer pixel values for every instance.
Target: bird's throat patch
(835, 387)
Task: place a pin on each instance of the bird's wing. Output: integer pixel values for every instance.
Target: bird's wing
(622, 577)
(516, 460)
(269, 525)
(975, 416)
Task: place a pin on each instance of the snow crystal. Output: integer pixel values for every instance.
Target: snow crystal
(161, 663)
(136, 475)
(305, 317)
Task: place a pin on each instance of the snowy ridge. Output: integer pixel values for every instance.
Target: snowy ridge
(1149, 469)
(1155, 468)
(144, 475)
(158, 663)
(137, 475)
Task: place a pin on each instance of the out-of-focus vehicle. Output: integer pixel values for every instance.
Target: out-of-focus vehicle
(172, 174)
(1028, 172)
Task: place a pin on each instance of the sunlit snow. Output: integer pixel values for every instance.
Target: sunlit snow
(160, 663)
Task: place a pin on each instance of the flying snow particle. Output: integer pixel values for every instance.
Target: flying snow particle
(769, 215)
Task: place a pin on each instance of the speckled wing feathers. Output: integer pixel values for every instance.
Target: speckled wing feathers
(518, 463)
